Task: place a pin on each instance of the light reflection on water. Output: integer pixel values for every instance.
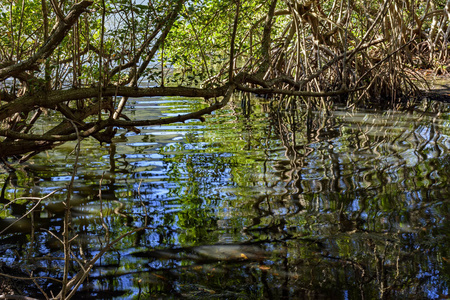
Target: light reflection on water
(260, 205)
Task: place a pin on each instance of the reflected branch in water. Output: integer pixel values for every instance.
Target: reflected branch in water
(352, 211)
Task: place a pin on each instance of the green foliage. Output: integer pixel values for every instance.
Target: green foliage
(200, 39)
(22, 30)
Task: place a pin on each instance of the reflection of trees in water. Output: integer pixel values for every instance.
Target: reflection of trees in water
(352, 208)
(372, 214)
(330, 223)
(32, 226)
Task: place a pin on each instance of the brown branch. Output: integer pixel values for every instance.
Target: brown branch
(57, 10)
(383, 61)
(17, 147)
(26, 214)
(51, 99)
(275, 91)
(92, 128)
(180, 118)
(24, 143)
(7, 97)
(135, 74)
(249, 78)
(37, 137)
(233, 38)
(141, 49)
(28, 278)
(266, 40)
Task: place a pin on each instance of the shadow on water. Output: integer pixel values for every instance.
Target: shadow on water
(255, 203)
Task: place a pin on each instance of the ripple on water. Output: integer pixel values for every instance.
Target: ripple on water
(232, 203)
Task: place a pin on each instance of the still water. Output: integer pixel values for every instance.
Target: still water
(254, 203)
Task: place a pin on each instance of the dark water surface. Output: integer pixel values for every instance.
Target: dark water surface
(251, 204)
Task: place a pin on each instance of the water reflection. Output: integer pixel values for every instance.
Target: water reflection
(254, 203)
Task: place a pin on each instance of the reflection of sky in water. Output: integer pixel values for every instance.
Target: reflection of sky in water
(364, 176)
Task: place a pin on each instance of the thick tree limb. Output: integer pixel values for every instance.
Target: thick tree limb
(266, 40)
(51, 99)
(249, 78)
(38, 142)
(96, 127)
(275, 91)
(65, 133)
(7, 97)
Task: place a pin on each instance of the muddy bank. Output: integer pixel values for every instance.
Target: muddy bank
(437, 88)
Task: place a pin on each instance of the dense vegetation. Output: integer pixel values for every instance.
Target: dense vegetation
(80, 62)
